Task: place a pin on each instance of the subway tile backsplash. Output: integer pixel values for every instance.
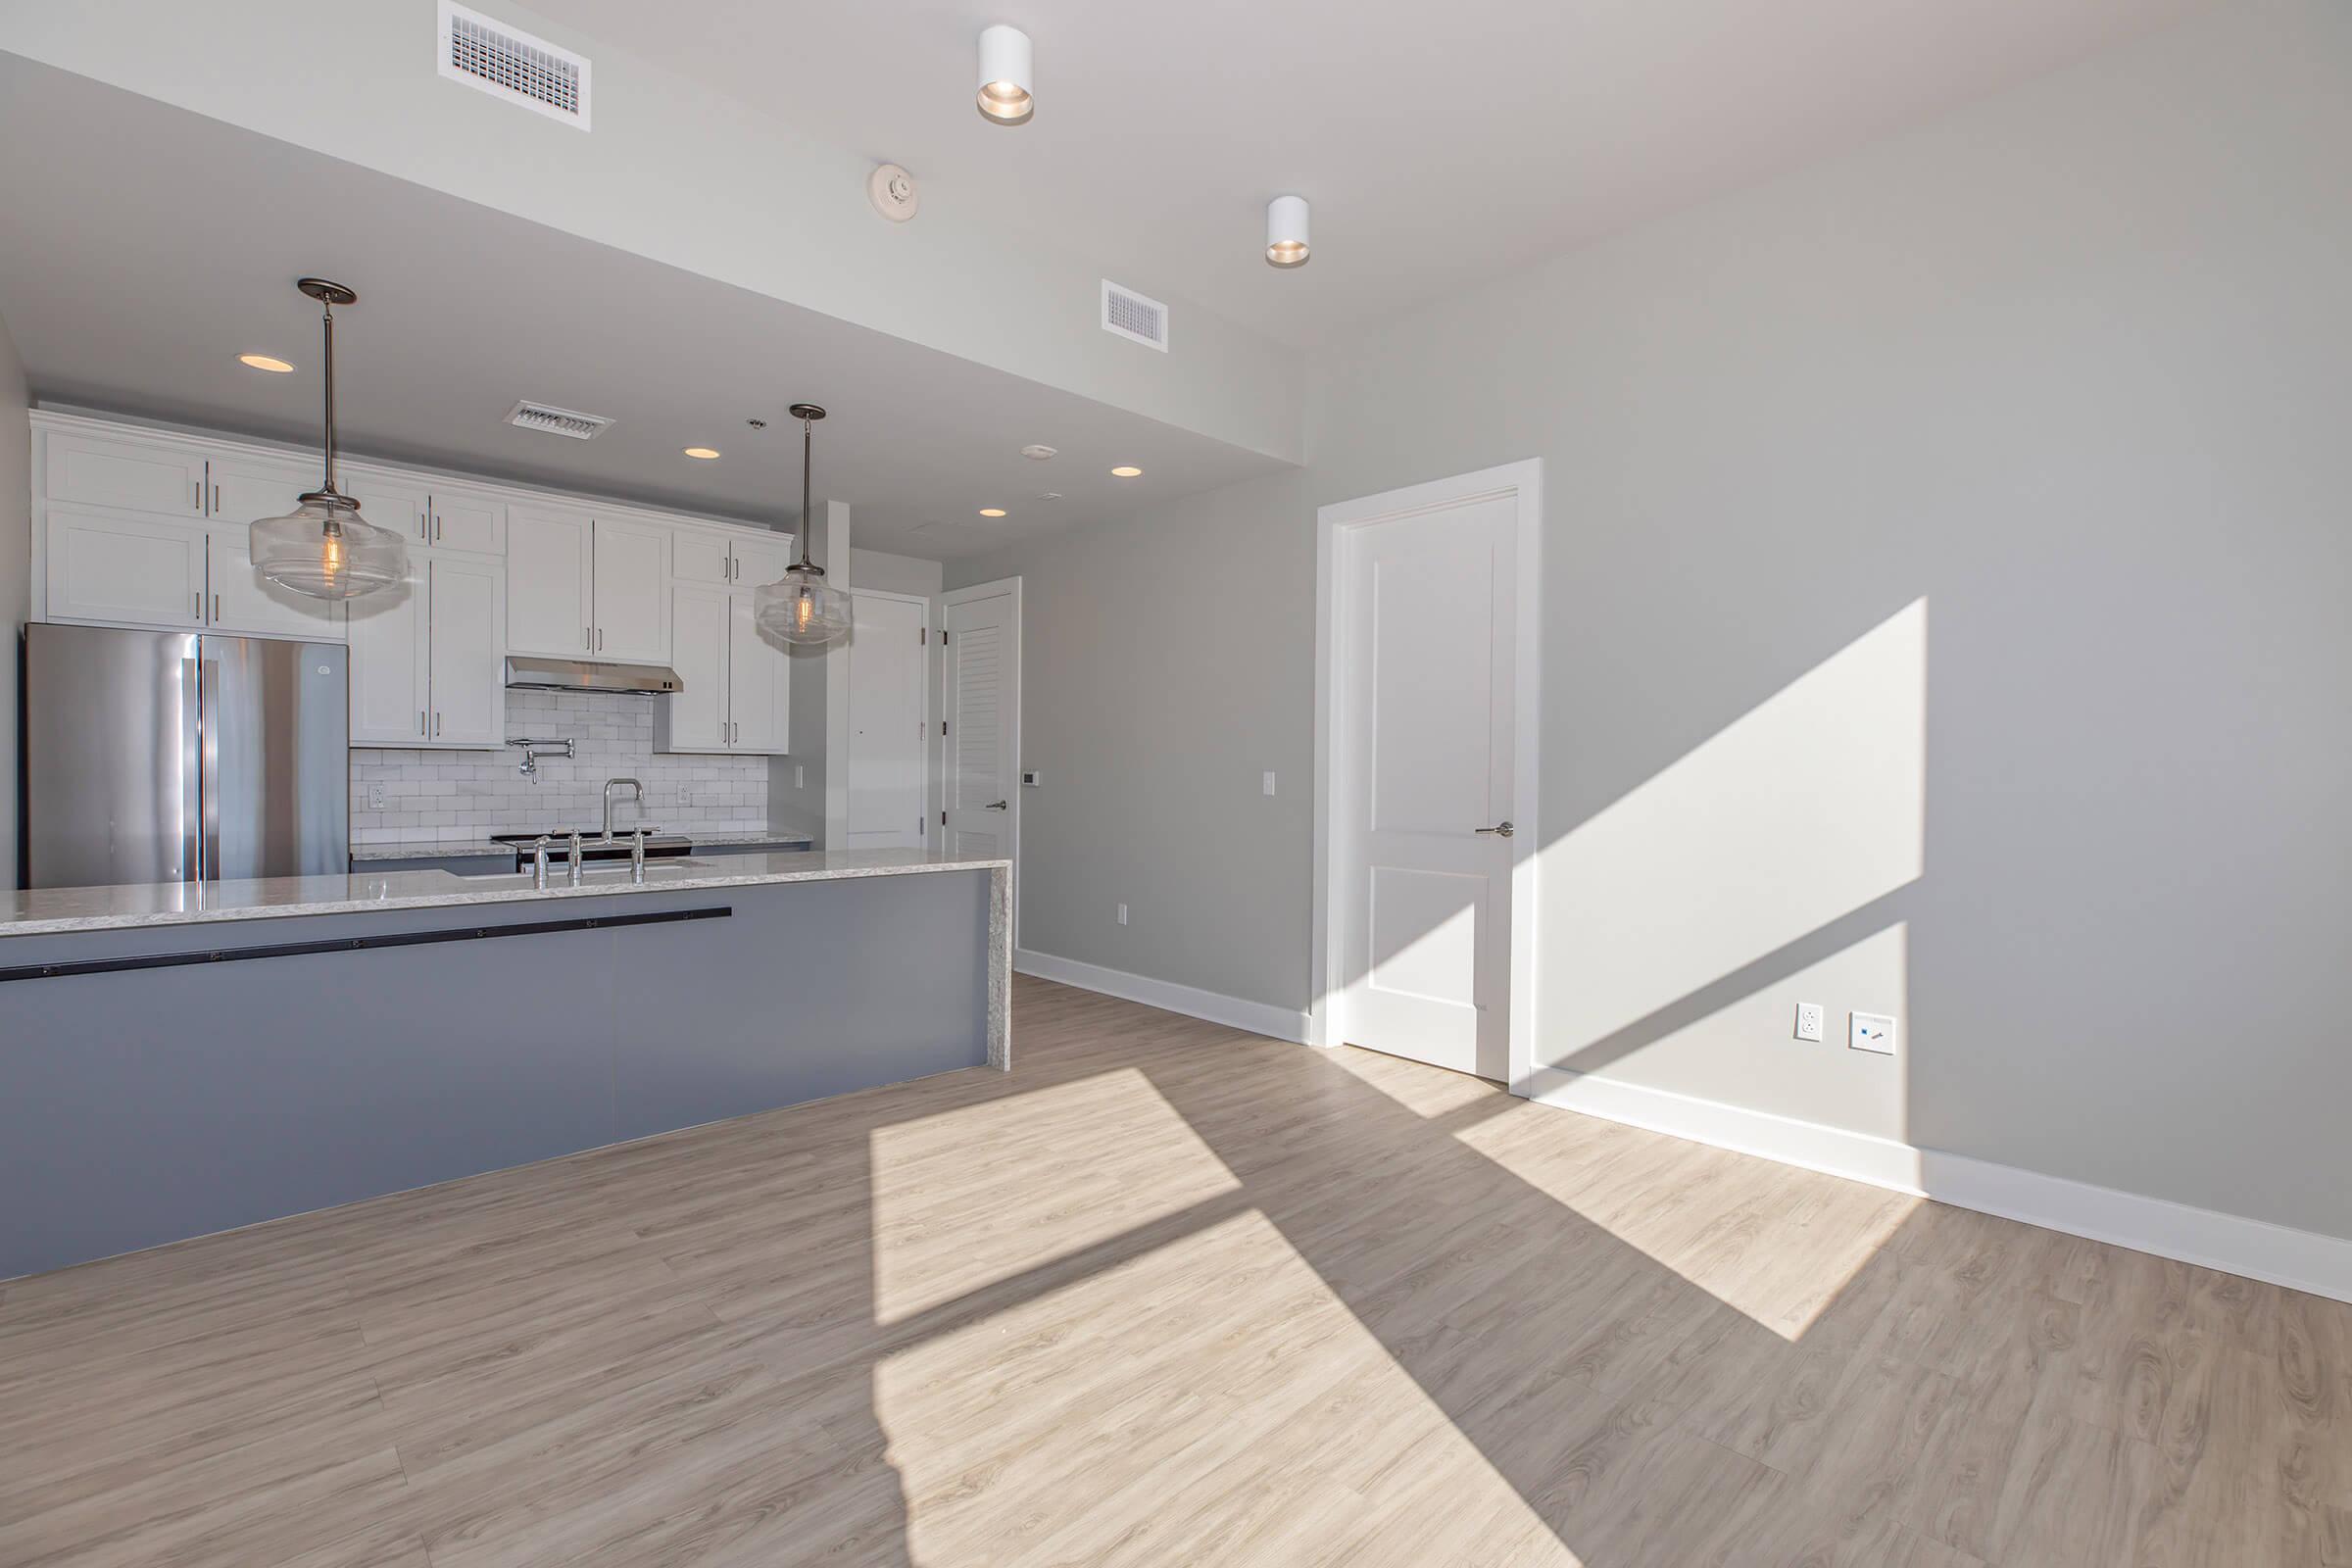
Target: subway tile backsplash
(452, 797)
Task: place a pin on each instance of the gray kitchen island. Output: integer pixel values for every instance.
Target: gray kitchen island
(187, 1057)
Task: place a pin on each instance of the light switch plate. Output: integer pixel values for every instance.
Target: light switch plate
(1269, 783)
(1810, 1020)
(1122, 914)
(1871, 1031)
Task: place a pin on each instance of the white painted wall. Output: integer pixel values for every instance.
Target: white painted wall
(16, 584)
(1946, 555)
(896, 574)
(665, 174)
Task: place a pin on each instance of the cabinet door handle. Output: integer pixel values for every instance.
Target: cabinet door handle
(436, 527)
(420, 721)
(199, 495)
(436, 725)
(215, 606)
(588, 638)
(216, 501)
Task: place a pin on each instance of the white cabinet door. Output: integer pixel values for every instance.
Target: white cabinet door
(144, 571)
(699, 557)
(107, 471)
(548, 582)
(241, 600)
(632, 596)
(468, 643)
(759, 561)
(694, 718)
(389, 500)
(759, 683)
(244, 489)
(464, 519)
(390, 671)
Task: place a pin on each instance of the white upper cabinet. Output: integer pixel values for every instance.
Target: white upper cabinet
(391, 677)
(388, 499)
(694, 718)
(468, 519)
(696, 555)
(469, 636)
(759, 561)
(243, 489)
(633, 590)
(137, 474)
(241, 600)
(550, 581)
(105, 568)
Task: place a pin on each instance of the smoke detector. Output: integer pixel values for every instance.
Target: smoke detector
(892, 192)
(1038, 453)
(558, 422)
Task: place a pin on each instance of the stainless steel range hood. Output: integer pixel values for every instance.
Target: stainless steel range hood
(580, 675)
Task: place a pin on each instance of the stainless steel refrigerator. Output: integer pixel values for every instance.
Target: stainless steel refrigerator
(178, 757)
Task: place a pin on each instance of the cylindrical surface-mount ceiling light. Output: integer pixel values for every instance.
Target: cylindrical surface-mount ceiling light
(1005, 76)
(1286, 231)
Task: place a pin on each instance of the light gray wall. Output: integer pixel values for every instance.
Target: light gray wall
(1946, 549)
(896, 575)
(15, 583)
(1166, 665)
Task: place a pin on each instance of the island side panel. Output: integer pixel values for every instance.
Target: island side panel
(830, 987)
(144, 1107)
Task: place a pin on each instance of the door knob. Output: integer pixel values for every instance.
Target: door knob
(1502, 830)
(996, 805)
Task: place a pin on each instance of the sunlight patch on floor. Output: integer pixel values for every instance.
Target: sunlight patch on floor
(986, 1193)
(1213, 1400)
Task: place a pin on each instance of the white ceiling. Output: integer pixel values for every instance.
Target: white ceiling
(142, 248)
(1438, 143)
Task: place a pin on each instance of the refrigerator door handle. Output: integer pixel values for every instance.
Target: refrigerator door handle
(209, 788)
(191, 770)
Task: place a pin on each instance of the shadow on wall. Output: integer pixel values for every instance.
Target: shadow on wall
(1773, 856)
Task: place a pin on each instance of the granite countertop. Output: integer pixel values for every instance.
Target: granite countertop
(469, 848)
(48, 911)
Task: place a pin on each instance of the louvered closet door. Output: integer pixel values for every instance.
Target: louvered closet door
(980, 762)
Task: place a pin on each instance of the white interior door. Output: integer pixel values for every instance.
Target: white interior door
(1423, 758)
(889, 713)
(981, 805)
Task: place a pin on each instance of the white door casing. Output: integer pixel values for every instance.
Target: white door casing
(981, 760)
(889, 720)
(1426, 676)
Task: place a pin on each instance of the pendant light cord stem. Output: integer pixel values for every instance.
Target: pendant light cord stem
(808, 521)
(331, 398)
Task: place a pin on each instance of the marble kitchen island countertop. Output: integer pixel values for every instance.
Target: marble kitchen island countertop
(51, 911)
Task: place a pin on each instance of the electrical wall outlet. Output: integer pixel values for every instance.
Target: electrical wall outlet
(1122, 914)
(1871, 1031)
(375, 797)
(1810, 1016)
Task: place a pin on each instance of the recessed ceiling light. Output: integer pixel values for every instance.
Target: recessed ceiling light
(992, 512)
(1037, 453)
(704, 453)
(265, 362)
(1286, 231)
(1005, 60)
(1125, 471)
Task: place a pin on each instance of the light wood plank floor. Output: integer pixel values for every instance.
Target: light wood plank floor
(1167, 1295)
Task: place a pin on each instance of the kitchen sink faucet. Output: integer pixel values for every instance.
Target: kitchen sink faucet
(637, 791)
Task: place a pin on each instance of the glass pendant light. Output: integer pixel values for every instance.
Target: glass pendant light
(323, 547)
(801, 607)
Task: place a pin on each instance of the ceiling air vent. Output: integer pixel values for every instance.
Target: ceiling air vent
(1129, 314)
(513, 66)
(557, 422)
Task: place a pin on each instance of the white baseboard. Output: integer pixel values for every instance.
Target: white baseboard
(2302, 1260)
(1259, 1017)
